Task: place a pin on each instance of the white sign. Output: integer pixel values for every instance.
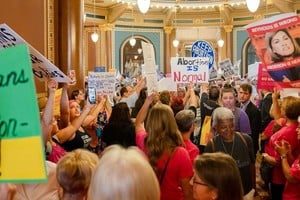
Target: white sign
(42, 68)
(166, 84)
(190, 69)
(149, 67)
(227, 68)
(104, 82)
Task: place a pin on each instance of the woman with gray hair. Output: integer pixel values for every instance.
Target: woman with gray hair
(238, 145)
(124, 174)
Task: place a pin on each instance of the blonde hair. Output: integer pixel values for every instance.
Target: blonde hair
(124, 174)
(74, 171)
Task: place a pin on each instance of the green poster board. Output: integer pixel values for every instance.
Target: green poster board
(22, 153)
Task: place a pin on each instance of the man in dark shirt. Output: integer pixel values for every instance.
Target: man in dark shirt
(252, 111)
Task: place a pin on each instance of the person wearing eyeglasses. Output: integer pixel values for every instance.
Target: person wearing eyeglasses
(216, 177)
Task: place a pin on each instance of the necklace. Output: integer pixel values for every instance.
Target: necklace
(225, 149)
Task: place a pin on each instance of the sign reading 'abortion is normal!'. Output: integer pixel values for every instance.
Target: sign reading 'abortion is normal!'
(189, 69)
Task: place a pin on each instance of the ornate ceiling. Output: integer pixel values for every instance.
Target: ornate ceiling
(198, 16)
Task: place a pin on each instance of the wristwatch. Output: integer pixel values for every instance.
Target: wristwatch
(282, 157)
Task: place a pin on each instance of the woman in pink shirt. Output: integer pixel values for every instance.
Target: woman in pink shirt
(291, 173)
(163, 144)
(290, 108)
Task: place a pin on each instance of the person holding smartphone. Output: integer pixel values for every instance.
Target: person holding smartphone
(72, 133)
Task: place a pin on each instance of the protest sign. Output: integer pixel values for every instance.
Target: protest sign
(213, 73)
(149, 67)
(276, 41)
(202, 48)
(42, 68)
(227, 68)
(166, 84)
(21, 145)
(57, 97)
(104, 82)
(190, 69)
(264, 80)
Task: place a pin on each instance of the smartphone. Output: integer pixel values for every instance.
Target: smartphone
(92, 95)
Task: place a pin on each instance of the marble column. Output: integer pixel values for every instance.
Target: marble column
(228, 40)
(106, 45)
(70, 29)
(167, 63)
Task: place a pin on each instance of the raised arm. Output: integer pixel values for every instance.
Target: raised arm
(68, 133)
(140, 85)
(47, 116)
(95, 111)
(142, 114)
(64, 108)
(193, 98)
(275, 105)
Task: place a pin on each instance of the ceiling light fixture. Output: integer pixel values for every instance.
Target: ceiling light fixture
(253, 5)
(143, 5)
(175, 41)
(132, 40)
(94, 35)
(140, 50)
(220, 41)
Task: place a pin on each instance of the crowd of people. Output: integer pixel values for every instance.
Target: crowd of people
(147, 147)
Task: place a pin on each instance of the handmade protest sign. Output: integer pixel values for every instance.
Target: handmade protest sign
(277, 44)
(42, 68)
(227, 68)
(190, 69)
(149, 67)
(104, 82)
(22, 152)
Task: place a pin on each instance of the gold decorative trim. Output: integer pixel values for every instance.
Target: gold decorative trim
(50, 32)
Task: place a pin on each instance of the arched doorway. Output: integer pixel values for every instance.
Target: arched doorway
(132, 57)
(248, 56)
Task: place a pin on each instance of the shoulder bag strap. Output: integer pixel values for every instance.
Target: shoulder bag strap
(165, 169)
(243, 139)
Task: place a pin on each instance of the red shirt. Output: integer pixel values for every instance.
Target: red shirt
(291, 190)
(287, 133)
(179, 167)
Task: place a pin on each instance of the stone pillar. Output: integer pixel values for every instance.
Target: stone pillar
(167, 63)
(70, 30)
(106, 45)
(228, 40)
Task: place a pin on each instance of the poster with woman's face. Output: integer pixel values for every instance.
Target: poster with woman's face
(277, 44)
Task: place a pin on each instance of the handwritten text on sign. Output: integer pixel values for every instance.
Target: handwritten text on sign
(20, 132)
(189, 69)
(104, 82)
(42, 68)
